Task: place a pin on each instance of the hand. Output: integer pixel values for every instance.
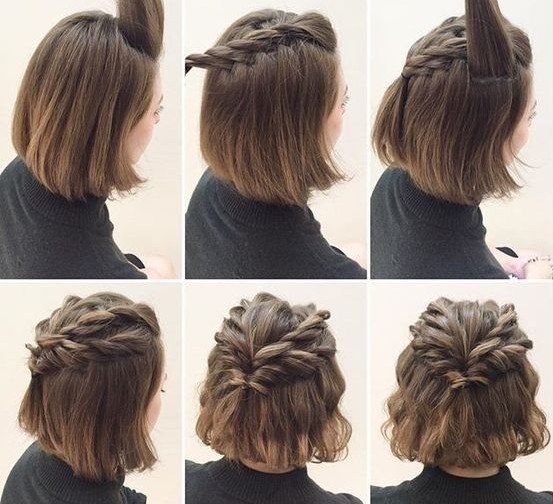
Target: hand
(158, 268)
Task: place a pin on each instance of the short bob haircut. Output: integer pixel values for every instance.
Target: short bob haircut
(87, 85)
(271, 84)
(448, 119)
(466, 390)
(273, 387)
(97, 364)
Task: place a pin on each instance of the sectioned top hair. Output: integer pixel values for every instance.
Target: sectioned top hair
(271, 84)
(87, 85)
(466, 390)
(273, 387)
(96, 366)
(462, 92)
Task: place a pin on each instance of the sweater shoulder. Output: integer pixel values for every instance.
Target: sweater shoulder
(389, 177)
(195, 474)
(11, 173)
(199, 487)
(20, 478)
(389, 495)
(129, 496)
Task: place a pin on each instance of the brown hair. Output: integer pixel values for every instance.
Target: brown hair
(97, 365)
(462, 92)
(87, 85)
(466, 390)
(271, 83)
(273, 386)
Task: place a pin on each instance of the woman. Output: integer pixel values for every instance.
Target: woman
(267, 131)
(97, 373)
(86, 111)
(450, 127)
(270, 405)
(465, 406)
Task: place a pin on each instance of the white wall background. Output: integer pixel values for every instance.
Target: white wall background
(395, 306)
(342, 210)
(24, 305)
(207, 305)
(149, 222)
(526, 220)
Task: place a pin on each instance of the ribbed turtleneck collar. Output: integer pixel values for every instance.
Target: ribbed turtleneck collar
(435, 211)
(58, 480)
(253, 486)
(438, 486)
(257, 214)
(89, 213)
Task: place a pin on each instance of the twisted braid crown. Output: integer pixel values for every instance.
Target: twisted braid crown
(469, 344)
(99, 328)
(269, 30)
(258, 356)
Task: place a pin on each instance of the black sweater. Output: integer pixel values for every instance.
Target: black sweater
(433, 486)
(229, 236)
(416, 236)
(39, 478)
(224, 482)
(45, 236)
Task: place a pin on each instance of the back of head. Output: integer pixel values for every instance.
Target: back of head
(271, 83)
(87, 85)
(450, 117)
(466, 390)
(97, 364)
(273, 387)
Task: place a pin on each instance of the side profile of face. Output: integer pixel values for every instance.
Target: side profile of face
(522, 131)
(154, 408)
(141, 135)
(335, 122)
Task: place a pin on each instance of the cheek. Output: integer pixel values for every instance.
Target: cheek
(518, 141)
(154, 410)
(334, 126)
(140, 137)
(521, 137)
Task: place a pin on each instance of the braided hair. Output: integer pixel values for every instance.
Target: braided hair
(271, 84)
(466, 390)
(95, 367)
(449, 118)
(273, 386)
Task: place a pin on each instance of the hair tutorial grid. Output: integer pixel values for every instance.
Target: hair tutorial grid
(287, 362)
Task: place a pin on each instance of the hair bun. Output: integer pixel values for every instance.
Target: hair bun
(267, 342)
(469, 343)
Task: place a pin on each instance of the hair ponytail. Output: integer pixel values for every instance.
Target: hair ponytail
(142, 22)
(489, 47)
(449, 117)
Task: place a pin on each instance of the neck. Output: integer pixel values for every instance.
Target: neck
(471, 472)
(262, 467)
